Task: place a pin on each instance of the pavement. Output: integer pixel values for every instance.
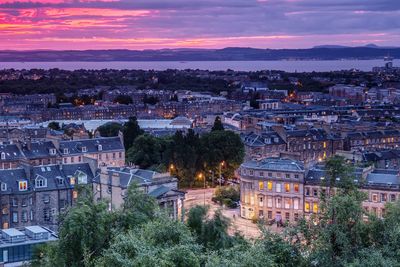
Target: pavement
(203, 197)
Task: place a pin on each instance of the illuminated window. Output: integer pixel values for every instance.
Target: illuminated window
(324, 144)
(296, 188)
(74, 194)
(23, 185)
(72, 180)
(307, 206)
(261, 185)
(315, 207)
(287, 203)
(374, 197)
(287, 187)
(269, 185)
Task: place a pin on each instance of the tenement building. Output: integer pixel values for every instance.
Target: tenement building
(272, 189)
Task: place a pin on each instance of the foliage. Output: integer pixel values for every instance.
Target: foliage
(217, 124)
(123, 99)
(146, 151)
(151, 100)
(131, 130)
(54, 126)
(227, 195)
(110, 129)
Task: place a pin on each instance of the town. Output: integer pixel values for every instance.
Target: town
(256, 148)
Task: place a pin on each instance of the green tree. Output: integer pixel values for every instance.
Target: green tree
(146, 151)
(222, 146)
(131, 130)
(217, 125)
(54, 126)
(109, 129)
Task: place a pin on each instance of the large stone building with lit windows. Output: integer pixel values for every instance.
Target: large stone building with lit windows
(272, 189)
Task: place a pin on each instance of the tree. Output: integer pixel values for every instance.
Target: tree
(131, 130)
(123, 99)
(146, 151)
(222, 146)
(110, 129)
(217, 125)
(54, 126)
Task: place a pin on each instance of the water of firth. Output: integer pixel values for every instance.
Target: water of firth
(289, 66)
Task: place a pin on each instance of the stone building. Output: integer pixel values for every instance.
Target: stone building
(272, 189)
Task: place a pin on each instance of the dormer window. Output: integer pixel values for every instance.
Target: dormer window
(3, 155)
(60, 180)
(100, 147)
(65, 151)
(40, 182)
(84, 149)
(72, 180)
(23, 185)
(3, 187)
(82, 178)
(52, 151)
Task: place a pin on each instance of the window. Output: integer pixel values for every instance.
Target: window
(287, 216)
(278, 203)
(52, 151)
(296, 176)
(24, 216)
(3, 187)
(383, 197)
(296, 188)
(374, 197)
(72, 160)
(113, 155)
(287, 175)
(315, 192)
(84, 149)
(30, 201)
(296, 217)
(307, 206)
(23, 185)
(60, 181)
(261, 214)
(392, 197)
(269, 202)
(278, 187)
(251, 172)
(261, 174)
(269, 214)
(270, 174)
(260, 185)
(15, 217)
(278, 174)
(324, 144)
(287, 203)
(287, 187)
(31, 215)
(269, 185)
(307, 191)
(24, 202)
(3, 155)
(82, 178)
(74, 194)
(80, 159)
(296, 203)
(40, 182)
(315, 207)
(72, 180)
(100, 147)
(261, 201)
(65, 160)
(46, 214)
(251, 200)
(65, 150)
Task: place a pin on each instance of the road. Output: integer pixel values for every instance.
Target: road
(238, 224)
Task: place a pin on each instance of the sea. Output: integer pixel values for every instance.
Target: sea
(284, 65)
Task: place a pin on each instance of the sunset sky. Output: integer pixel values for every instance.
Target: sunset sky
(154, 24)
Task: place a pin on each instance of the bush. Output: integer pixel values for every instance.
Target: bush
(227, 195)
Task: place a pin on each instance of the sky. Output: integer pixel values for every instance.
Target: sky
(156, 24)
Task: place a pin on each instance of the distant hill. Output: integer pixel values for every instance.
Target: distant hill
(225, 54)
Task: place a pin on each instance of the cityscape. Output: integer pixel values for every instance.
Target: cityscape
(218, 133)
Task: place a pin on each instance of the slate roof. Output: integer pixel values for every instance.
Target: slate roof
(11, 178)
(257, 140)
(277, 164)
(11, 152)
(108, 144)
(38, 150)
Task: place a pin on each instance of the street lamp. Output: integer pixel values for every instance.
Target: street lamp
(171, 167)
(204, 179)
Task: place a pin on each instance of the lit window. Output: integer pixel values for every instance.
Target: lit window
(296, 188)
(74, 194)
(315, 207)
(374, 197)
(261, 185)
(287, 203)
(287, 187)
(72, 180)
(23, 185)
(307, 206)
(324, 144)
(269, 185)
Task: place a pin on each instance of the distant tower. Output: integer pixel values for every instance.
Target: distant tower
(388, 61)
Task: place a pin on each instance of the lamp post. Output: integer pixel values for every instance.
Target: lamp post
(204, 193)
(220, 172)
